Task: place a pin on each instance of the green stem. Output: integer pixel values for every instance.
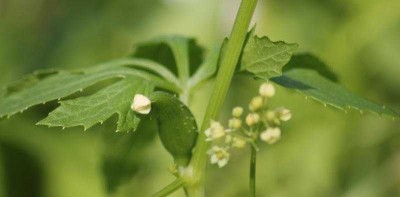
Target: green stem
(223, 80)
(178, 183)
(253, 157)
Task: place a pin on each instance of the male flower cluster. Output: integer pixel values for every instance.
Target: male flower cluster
(261, 124)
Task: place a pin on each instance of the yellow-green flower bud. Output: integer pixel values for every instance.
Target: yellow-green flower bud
(267, 90)
(256, 103)
(237, 112)
(238, 142)
(252, 118)
(235, 123)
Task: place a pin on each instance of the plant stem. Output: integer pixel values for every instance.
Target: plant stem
(253, 159)
(223, 80)
(170, 188)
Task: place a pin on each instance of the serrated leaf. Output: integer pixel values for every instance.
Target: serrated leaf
(265, 58)
(27, 81)
(66, 83)
(312, 84)
(138, 63)
(308, 61)
(97, 108)
(176, 125)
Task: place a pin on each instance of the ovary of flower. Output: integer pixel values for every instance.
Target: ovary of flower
(284, 114)
(218, 156)
(267, 90)
(235, 123)
(252, 119)
(237, 112)
(238, 142)
(271, 135)
(256, 103)
(141, 104)
(215, 131)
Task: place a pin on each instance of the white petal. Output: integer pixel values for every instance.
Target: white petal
(214, 159)
(208, 132)
(141, 104)
(222, 162)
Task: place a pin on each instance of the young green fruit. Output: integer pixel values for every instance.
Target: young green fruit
(176, 126)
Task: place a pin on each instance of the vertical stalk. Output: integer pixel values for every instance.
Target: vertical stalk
(223, 80)
(253, 159)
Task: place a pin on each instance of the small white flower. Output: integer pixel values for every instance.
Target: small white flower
(215, 131)
(141, 104)
(218, 156)
(235, 123)
(237, 112)
(238, 142)
(271, 135)
(256, 103)
(284, 114)
(267, 90)
(252, 119)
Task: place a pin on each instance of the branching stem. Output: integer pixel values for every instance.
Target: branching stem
(253, 159)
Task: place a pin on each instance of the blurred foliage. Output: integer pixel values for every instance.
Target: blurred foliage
(323, 152)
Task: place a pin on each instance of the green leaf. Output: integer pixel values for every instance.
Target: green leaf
(310, 82)
(97, 108)
(27, 81)
(176, 125)
(138, 63)
(181, 55)
(66, 83)
(265, 58)
(308, 61)
(206, 70)
(123, 153)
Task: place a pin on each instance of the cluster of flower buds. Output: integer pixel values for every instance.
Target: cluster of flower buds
(261, 124)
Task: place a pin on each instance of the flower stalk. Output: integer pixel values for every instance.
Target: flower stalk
(223, 80)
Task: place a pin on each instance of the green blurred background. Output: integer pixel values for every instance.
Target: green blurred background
(324, 152)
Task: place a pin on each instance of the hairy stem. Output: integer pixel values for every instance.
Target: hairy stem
(253, 159)
(223, 80)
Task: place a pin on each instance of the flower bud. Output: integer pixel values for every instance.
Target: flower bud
(267, 90)
(284, 114)
(256, 103)
(238, 142)
(237, 112)
(271, 135)
(235, 123)
(252, 119)
(141, 104)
